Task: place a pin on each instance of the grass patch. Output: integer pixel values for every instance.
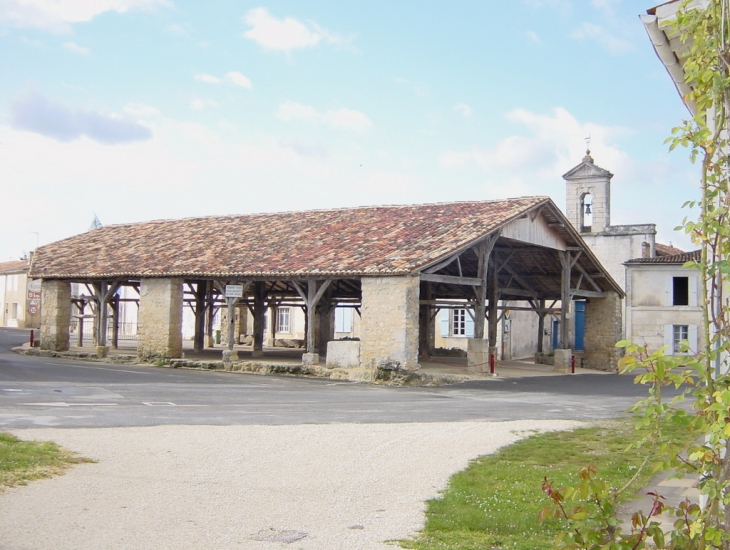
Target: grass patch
(494, 503)
(24, 461)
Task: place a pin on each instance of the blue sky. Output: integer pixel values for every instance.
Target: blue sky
(144, 109)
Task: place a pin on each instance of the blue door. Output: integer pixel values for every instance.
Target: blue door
(580, 325)
(556, 334)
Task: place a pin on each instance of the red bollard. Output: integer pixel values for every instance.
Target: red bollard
(572, 364)
(491, 363)
(32, 338)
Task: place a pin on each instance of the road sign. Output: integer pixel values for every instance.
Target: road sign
(34, 295)
(34, 286)
(234, 291)
(33, 309)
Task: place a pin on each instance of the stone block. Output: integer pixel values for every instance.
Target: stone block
(389, 326)
(102, 351)
(477, 354)
(563, 360)
(343, 354)
(55, 315)
(230, 355)
(309, 359)
(159, 329)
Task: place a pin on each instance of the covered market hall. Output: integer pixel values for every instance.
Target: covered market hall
(397, 267)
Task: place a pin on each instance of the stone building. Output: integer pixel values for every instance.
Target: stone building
(19, 302)
(662, 302)
(588, 207)
(396, 266)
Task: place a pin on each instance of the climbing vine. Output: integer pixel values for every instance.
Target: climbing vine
(589, 508)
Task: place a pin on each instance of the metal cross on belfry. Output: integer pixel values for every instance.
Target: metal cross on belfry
(588, 144)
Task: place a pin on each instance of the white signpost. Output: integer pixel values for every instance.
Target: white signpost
(234, 291)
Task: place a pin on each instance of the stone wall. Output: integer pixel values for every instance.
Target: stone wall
(603, 327)
(389, 329)
(55, 315)
(159, 329)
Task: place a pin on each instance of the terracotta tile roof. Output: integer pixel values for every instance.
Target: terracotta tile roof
(14, 267)
(373, 240)
(666, 250)
(680, 259)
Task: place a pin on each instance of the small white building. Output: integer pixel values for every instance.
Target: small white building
(19, 305)
(662, 302)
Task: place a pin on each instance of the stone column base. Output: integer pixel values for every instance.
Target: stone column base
(477, 355)
(209, 341)
(309, 359)
(230, 355)
(257, 353)
(563, 360)
(102, 351)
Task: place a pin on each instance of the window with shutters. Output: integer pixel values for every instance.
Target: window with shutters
(681, 291)
(674, 335)
(680, 333)
(343, 319)
(458, 322)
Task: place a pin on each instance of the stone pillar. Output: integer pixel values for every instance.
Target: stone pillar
(389, 329)
(603, 324)
(159, 330)
(55, 315)
(478, 351)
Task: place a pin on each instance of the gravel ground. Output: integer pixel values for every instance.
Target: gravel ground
(328, 487)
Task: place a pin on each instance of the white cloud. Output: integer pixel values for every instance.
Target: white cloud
(210, 79)
(463, 109)
(239, 79)
(34, 113)
(75, 48)
(285, 34)
(590, 31)
(141, 110)
(58, 15)
(533, 37)
(347, 119)
(200, 104)
(553, 144)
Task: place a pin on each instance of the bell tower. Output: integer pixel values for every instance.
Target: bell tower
(588, 196)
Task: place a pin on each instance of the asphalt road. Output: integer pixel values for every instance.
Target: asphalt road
(44, 392)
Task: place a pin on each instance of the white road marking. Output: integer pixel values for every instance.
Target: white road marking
(64, 404)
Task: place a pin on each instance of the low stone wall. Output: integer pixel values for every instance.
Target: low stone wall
(602, 330)
(343, 354)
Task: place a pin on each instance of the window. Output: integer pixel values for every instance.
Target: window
(343, 319)
(12, 283)
(680, 333)
(283, 319)
(674, 335)
(586, 213)
(680, 291)
(458, 322)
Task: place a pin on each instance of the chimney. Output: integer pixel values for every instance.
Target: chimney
(645, 249)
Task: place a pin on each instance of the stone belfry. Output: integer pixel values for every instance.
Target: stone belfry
(588, 196)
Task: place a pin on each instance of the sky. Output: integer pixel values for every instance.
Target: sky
(133, 110)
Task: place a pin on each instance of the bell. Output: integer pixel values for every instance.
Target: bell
(588, 208)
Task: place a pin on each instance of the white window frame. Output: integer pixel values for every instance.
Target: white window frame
(691, 290)
(458, 322)
(673, 345)
(283, 320)
(343, 319)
